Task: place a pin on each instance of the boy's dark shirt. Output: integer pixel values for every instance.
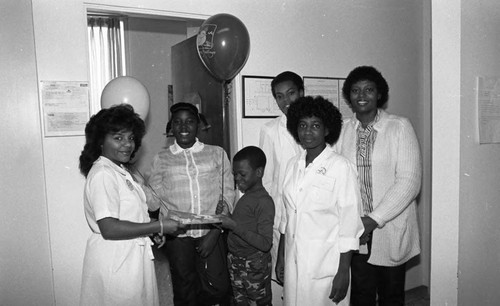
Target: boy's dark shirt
(254, 214)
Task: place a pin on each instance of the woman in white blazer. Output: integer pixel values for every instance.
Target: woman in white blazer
(321, 225)
(386, 152)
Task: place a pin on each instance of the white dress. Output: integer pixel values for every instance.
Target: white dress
(321, 221)
(116, 272)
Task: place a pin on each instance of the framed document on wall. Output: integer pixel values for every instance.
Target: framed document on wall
(328, 88)
(258, 100)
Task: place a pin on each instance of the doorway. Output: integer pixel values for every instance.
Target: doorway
(148, 41)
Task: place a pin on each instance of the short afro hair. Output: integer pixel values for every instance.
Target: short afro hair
(319, 107)
(287, 76)
(368, 73)
(255, 156)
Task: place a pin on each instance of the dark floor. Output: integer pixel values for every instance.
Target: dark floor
(418, 296)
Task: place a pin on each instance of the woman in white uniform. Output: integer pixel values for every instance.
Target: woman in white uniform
(118, 265)
(322, 225)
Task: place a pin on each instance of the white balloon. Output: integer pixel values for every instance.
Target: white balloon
(126, 89)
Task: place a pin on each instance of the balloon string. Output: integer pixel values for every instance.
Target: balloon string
(226, 102)
(145, 183)
(226, 94)
(222, 176)
(225, 108)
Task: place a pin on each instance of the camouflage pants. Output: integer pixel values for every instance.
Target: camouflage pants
(251, 279)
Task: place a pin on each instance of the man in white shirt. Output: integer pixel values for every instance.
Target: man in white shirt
(279, 146)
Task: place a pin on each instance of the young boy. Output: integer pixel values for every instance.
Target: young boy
(188, 177)
(279, 146)
(251, 231)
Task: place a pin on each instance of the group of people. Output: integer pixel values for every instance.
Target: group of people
(328, 206)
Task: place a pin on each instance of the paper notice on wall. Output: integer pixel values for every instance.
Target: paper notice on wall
(65, 107)
(328, 88)
(488, 109)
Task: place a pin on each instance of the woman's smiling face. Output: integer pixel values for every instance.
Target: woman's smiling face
(184, 128)
(364, 97)
(285, 94)
(118, 146)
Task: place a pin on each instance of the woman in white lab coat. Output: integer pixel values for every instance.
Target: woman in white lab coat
(118, 265)
(321, 226)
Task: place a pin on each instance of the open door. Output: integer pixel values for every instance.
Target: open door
(193, 83)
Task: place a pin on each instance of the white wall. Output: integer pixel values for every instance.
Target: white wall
(321, 38)
(479, 233)
(465, 235)
(25, 259)
(445, 150)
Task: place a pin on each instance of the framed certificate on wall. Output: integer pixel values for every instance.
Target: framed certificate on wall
(258, 100)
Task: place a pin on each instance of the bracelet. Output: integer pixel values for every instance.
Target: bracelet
(161, 226)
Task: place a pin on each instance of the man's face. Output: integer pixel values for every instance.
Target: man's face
(286, 93)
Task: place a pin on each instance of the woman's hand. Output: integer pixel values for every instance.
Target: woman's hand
(172, 227)
(280, 270)
(159, 240)
(340, 284)
(370, 225)
(280, 261)
(208, 243)
(222, 208)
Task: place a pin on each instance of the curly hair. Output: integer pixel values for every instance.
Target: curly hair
(114, 119)
(319, 107)
(368, 73)
(287, 76)
(255, 156)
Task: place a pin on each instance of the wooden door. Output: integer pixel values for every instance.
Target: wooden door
(190, 79)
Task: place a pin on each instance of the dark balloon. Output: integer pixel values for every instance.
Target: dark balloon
(223, 45)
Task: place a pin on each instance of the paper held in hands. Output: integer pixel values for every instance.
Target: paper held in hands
(189, 218)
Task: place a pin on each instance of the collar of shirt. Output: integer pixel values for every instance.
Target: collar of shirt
(258, 189)
(317, 161)
(121, 169)
(283, 120)
(376, 123)
(197, 147)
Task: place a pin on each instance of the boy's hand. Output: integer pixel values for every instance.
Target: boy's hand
(228, 222)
